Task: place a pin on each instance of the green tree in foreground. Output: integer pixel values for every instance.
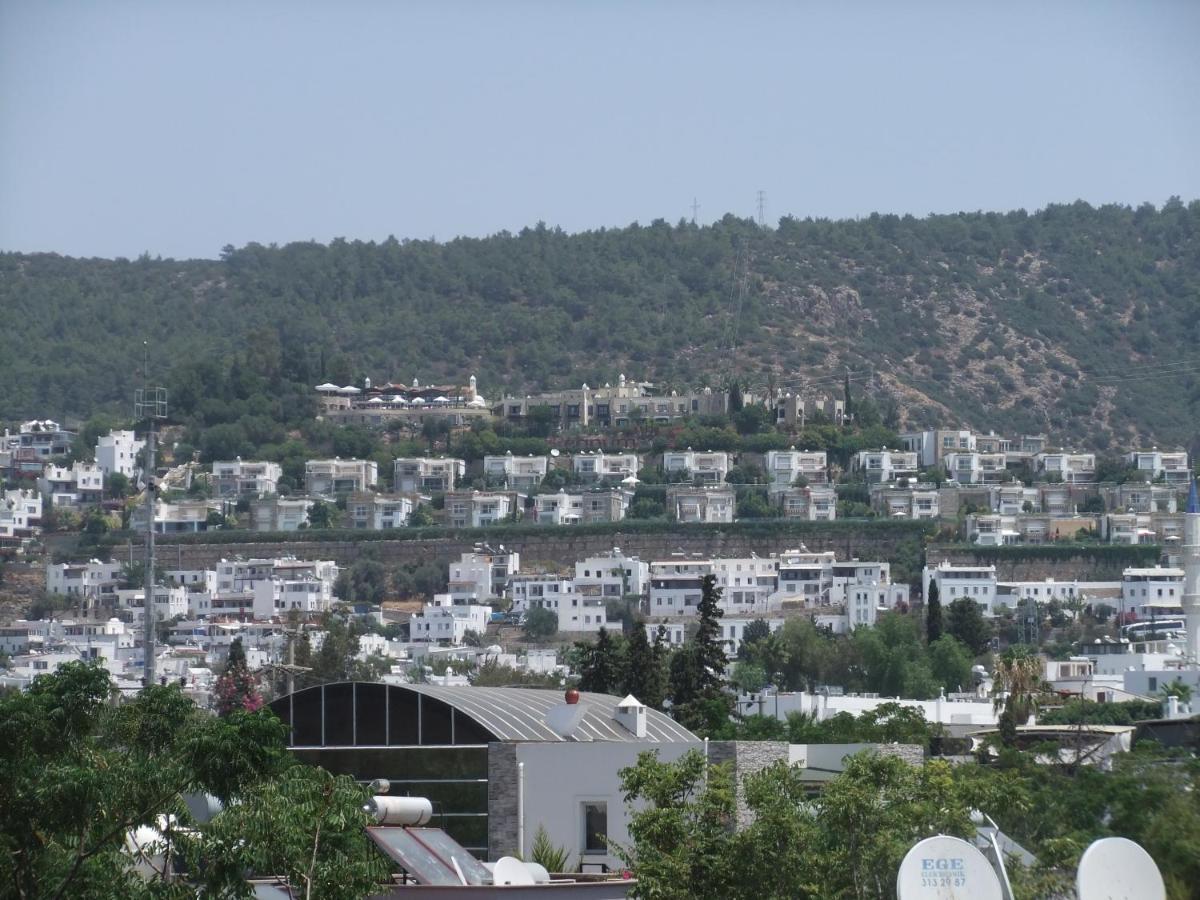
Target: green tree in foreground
(77, 773)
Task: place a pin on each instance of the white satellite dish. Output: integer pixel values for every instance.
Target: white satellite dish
(554, 453)
(1116, 868)
(946, 868)
(510, 870)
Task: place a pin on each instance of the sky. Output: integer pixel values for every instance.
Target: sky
(177, 128)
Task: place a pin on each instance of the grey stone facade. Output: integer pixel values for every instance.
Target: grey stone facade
(502, 800)
(745, 758)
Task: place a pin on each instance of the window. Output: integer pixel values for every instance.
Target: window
(595, 827)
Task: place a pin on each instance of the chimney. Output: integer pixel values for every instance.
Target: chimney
(631, 715)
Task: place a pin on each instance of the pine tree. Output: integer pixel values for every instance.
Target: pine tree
(235, 689)
(710, 651)
(600, 671)
(933, 614)
(644, 676)
(698, 699)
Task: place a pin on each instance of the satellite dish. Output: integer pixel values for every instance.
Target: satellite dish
(510, 870)
(946, 868)
(539, 873)
(554, 453)
(1116, 868)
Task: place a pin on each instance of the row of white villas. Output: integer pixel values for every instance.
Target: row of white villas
(1141, 594)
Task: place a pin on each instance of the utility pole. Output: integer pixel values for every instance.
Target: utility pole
(151, 403)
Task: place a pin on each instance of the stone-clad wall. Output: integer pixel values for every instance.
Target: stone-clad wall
(502, 800)
(560, 547)
(746, 758)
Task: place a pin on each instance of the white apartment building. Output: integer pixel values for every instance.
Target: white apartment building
(488, 571)
(1055, 499)
(427, 475)
(576, 611)
(92, 580)
(236, 478)
(169, 601)
(601, 466)
(20, 515)
(379, 511)
(932, 446)
(237, 576)
(326, 477)
(479, 509)
(1142, 528)
(117, 451)
(806, 578)
(1141, 498)
(885, 466)
(704, 468)
(676, 585)
(612, 575)
(993, 530)
(701, 504)
(809, 504)
(280, 514)
(561, 508)
(784, 467)
(1151, 593)
(292, 588)
(517, 473)
(674, 633)
(531, 590)
(1072, 468)
(864, 588)
(747, 585)
(1013, 499)
(973, 467)
(1171, 466)
(81, 483)
(976, 583)
(919, 501)
(181, 517)
(795, 411)
(445, 622)
(42, 438)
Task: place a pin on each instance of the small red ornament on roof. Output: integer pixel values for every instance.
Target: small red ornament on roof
(572, 696)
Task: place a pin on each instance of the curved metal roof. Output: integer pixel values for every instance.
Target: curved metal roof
(519, 714)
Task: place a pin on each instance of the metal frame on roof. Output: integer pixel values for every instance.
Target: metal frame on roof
(519, 714)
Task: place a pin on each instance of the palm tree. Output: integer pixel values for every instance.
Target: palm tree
(1018, 687)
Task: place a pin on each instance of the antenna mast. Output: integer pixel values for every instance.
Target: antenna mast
(149, 403)
(695, 209)
(762, 209)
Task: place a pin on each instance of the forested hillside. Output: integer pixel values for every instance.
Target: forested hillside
(1081, 321)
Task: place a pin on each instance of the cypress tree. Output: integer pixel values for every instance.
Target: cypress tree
(600, 671)
(933, 614)
(644, 676)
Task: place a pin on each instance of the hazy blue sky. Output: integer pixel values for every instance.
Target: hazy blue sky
(176, 128)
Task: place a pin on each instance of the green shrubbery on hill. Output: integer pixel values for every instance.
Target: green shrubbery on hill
(1015, 321)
